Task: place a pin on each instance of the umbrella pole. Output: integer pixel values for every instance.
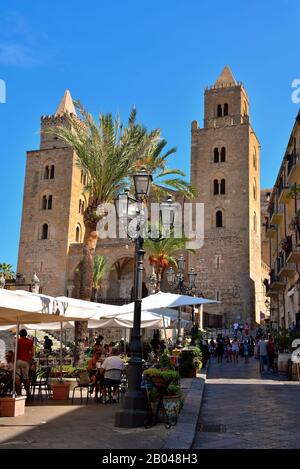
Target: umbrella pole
(165, 332)
(34, 347)
(61, 353)
(15, 361)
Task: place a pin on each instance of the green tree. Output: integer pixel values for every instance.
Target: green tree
(161, 254)
(108, 153)
(99, 269)
(7, 270)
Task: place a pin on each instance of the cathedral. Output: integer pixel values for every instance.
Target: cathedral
(225, 170)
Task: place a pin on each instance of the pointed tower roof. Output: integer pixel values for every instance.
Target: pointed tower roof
(66, 105)
(226, 77)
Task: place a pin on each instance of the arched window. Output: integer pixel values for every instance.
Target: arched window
(52, 171)
(223, 155)
(80, 202)
(254, 222)
(45, 231)
(254, 190)
(78, 234)
(216, 187)
(44, 202)
(81, 176)
(46, 172)
(47, 202)
(216, 155)
(219, 219)
(219, 110)
(222, 186)
(82, 207)
(226, 109)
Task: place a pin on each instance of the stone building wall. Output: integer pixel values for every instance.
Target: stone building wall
(228, 265)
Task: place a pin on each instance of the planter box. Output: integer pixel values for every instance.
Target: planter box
(60, 391)
(12, 406)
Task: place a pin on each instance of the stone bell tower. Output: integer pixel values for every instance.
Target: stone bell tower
(53, 205)
(225, 169)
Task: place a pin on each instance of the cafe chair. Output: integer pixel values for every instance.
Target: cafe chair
(83, 382)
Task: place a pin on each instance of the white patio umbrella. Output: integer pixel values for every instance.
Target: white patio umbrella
(102, 309)
(148, 320)
(23, 307)
(168, 300)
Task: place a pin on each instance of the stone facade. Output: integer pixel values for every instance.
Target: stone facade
(229, 264)
(225, 168)
(283, 232)
(51, 220)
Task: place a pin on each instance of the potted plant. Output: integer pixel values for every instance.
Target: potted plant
(189, 362)
(172, 400)
(295, 223)
(60, 390)
(161, 378)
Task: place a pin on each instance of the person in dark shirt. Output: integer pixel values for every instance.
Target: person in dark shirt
(48, 344)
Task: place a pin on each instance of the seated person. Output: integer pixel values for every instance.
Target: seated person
(106, 350)
(112, 368)
(97, 346)
(94, 372)
(111, 345)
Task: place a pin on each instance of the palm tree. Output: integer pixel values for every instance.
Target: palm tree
(99, 269)
(161, 254)
(7, 270)
(165, 180)
(108, 154)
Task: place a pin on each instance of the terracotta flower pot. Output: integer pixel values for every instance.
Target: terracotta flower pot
(60, 391)
(12, 406)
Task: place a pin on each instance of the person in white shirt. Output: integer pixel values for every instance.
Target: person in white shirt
(112, 368)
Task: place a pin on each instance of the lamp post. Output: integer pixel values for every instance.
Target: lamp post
(177, 281)
(134, 407)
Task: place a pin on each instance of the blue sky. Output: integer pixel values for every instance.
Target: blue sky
(156, 55)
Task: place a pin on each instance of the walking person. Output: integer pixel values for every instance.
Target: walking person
(246, 328)
(24, 359)
(246, 351)
(220, 350)
(229, 351)
(235, 350)
(236, 328)
(263, 354)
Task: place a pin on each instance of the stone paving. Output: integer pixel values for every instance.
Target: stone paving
(51, 424)
(54, 425)
(242, 409)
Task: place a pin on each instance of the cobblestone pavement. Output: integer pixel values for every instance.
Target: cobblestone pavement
(242, 409)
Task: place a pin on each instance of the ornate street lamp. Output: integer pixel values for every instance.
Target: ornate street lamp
(134, 407)
(177, 281)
